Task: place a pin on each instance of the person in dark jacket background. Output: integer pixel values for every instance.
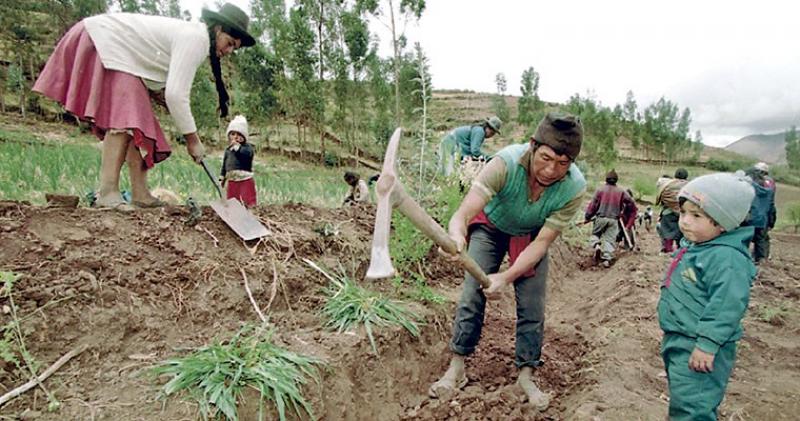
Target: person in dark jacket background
(237, 165)
(762, 211)
(606, 207)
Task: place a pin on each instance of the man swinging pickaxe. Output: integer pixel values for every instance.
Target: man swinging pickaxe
(518, 206)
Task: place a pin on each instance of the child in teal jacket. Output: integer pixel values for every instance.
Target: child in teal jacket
(705, 294)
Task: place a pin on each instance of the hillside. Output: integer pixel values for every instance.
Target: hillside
(764, 147)
(449, 109)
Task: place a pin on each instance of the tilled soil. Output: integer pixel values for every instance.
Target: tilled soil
(139, 288)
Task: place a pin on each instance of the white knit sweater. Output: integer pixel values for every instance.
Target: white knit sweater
(163, 51)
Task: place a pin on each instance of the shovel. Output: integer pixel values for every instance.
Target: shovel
(241, 221)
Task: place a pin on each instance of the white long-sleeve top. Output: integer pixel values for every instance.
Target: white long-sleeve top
(165, 52)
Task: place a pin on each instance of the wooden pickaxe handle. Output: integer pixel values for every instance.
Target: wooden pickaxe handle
(414, 212)
(391, 194)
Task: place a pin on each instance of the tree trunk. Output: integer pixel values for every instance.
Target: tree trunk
(299, 136)
(397, 119)
(33, 78)
(3, 89)
(321, 75)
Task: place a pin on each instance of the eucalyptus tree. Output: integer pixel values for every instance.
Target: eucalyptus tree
(389, 13)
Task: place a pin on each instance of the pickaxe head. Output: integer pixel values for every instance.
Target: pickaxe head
(380, 265)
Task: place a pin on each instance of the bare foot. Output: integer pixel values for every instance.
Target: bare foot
(535, 397)
(146, 200)
(453, 379)
(113, 201)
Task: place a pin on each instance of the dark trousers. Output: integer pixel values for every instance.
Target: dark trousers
(488, 246)
(760, 244)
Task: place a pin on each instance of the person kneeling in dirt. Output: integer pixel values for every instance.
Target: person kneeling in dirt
(606, 207)
(359, 191)
(237, 164)
(705, 294)
(667, 197)
(519, 204)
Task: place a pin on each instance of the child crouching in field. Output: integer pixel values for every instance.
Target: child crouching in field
(359, 190)
(705, 294)
(237, 165)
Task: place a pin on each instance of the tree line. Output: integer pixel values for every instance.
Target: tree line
(659, 131)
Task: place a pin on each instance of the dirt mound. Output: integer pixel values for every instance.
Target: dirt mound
(139, 288)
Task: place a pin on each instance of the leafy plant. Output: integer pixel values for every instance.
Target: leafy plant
(348, 305)
(216, 375)
(772, 314)
(794, 215)
(13, 340)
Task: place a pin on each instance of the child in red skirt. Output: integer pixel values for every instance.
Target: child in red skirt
(237, 165)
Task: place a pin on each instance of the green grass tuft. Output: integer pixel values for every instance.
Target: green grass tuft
(348, 306)
(216, 375)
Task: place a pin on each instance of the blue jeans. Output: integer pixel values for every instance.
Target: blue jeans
(488, 246)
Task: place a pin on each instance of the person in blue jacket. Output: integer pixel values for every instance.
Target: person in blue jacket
(466, 141)
(762, 211)
(705, 294)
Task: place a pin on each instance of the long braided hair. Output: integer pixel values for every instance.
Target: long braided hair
(216, 68)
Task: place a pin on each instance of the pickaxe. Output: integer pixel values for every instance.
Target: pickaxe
(391, 194)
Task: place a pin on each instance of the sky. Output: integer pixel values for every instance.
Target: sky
(735, 64)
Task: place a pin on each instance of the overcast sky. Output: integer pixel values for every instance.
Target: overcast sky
(735, 64)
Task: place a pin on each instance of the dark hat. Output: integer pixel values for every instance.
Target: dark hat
(233, 19)
(495, 123)
(681, 173)
(611, 177)
(562, 132)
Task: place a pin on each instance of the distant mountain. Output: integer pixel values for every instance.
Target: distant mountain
(764, 147)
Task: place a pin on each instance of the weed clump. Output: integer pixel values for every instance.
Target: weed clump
(216, 375)
(348, 305)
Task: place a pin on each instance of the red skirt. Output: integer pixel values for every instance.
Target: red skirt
(75, 77)
(244, 191)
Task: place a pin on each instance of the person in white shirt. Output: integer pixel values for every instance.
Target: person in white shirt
(107, 68)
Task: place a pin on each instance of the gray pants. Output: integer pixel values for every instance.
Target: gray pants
(488, 246)
(604, 232)
(760, 244)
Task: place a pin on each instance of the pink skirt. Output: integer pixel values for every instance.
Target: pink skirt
(108, 99)
(244, 190)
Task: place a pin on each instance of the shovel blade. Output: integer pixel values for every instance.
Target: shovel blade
(241, 221)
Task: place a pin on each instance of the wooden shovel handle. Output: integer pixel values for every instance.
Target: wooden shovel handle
(211, 177)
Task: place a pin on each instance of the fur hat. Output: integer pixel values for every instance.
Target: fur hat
(562, 132)
(724, 197)
(238, 125)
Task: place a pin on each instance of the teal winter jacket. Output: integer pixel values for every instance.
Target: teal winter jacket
(470, 139)
(705, 295)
